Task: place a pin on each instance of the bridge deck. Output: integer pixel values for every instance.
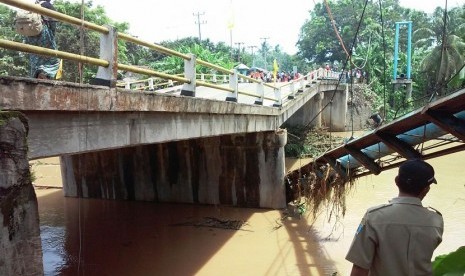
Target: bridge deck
(68, 118)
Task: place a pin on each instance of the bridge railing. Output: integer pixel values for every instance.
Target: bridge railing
(108, 65)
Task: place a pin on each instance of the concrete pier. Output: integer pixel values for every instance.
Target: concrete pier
(244, 170)
(334, 115)
(20, 245)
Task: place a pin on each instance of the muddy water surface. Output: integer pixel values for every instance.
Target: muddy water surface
(98, 237)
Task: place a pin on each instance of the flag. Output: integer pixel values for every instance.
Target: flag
(59, 74)
(230, 22)
(275, 69)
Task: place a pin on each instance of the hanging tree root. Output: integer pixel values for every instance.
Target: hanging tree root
(316, 185)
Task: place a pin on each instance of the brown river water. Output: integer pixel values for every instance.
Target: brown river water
(101, 237)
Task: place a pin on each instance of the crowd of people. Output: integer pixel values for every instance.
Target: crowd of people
(267, 76)
(357, 75)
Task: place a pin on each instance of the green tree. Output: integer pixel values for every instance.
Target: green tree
(445, 46)
(68, 40)
(12, 63)
(175, 65)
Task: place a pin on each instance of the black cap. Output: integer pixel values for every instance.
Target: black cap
(417, 172)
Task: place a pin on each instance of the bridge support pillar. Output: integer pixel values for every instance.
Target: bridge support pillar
(20, 245)
(334, 115)
(244, 170)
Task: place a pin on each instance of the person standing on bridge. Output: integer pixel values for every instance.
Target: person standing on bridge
(44, 67)
(399, 238)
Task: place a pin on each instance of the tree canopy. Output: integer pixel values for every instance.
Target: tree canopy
(438, 43)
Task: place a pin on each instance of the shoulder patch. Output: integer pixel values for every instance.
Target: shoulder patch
(378, 207)
(434, 210)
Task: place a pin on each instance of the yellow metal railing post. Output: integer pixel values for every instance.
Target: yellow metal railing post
(108, 51)
(188, 89)
(233, 84)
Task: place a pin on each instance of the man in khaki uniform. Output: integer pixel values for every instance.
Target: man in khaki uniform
(399, 238)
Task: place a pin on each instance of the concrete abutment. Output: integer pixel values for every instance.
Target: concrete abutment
(245, 170)
(20, 244)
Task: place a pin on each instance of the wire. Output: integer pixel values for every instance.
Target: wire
(456, 73)
(352, 106)
(384, 59)
(344, 66)
(443, 46)
(333, 23)
(80, 160)
(366, 56)
(334, 27)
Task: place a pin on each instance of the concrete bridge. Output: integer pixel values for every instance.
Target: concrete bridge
(120, 144)
(81, 122)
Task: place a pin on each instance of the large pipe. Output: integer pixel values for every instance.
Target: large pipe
(411, 137)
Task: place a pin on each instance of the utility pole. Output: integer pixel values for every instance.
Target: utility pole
(253, 56)
(264, 49)
(199, 22)
(239, 52)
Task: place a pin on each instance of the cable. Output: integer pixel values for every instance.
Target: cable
(344, 66)
(80, 67)
(334, 27)
(384, 59)
(366, 57)
(456, 73)
(352, 105)
(443, 47)
(331, 18)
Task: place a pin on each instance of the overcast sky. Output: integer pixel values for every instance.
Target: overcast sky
(279, 21)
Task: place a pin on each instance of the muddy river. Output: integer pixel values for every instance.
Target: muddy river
(100, 237)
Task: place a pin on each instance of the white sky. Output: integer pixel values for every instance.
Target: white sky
(280, 21)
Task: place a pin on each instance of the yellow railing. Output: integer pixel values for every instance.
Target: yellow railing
(183, 79)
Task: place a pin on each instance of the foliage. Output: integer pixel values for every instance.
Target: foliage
(318, 44)
(446, 49)
(206, 52)
(68, 40)
(309, 142)
(68, 37)
(450, 264)
(11, 62)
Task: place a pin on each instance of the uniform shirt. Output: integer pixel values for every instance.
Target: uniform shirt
(397, 238)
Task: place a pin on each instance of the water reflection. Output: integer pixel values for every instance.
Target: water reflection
(137, 238)
(100, 237)
(53, 239)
